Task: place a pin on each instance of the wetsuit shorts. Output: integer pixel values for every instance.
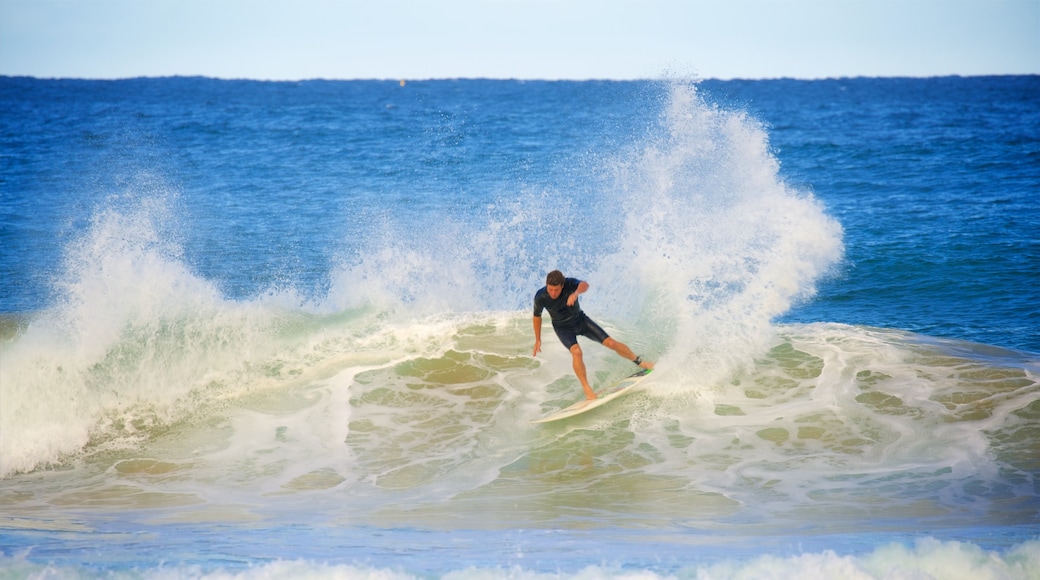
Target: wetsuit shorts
(584, 326)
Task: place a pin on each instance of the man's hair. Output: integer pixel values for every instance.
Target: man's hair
(555, 278)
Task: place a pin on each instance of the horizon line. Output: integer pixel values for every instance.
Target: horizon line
(691, 78)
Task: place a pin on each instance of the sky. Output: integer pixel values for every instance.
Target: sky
(517, 39)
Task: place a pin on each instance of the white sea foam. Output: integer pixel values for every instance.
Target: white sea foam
(716, 244)
(134, 334)
(927, 559)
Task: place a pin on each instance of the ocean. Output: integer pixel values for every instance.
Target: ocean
(283, 329)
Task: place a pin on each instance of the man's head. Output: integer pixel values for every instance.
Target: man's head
(554, 284)
(555, 278)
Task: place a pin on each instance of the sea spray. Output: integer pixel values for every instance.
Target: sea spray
(457, 262)
(691, 240)
(715, 245)
(133, 333)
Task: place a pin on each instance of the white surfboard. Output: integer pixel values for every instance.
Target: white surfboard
(619, 389)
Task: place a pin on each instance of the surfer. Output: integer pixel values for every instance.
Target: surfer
(560, 298)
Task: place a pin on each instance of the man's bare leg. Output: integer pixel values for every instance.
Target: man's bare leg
(625, 352)
(579, 370)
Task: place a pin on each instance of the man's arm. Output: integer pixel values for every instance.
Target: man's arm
(537, 322)
(583, 286)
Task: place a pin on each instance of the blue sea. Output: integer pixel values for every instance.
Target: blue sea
(283, 329)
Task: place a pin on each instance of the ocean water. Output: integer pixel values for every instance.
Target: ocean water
(283, 329)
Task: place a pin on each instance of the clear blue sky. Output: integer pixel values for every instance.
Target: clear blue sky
(527, 39)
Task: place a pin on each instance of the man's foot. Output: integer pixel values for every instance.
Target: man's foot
(645, 364)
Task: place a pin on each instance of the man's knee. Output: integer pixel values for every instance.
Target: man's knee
(609, 342)
(576, 351)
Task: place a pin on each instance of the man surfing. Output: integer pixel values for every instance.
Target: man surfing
(560, 298)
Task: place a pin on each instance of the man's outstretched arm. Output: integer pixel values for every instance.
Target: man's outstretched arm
(537, 322)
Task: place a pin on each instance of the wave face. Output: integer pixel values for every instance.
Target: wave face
(698, 243)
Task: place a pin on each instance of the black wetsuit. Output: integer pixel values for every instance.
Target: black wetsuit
(569, 322)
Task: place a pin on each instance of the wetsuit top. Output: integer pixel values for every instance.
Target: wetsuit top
(559, 311)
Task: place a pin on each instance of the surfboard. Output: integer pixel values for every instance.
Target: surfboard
(617, 390)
